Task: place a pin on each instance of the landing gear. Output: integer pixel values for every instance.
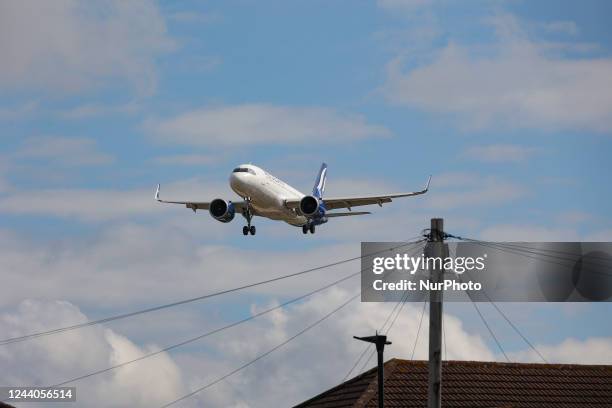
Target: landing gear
(246, 230)
(308, 227)
(248, 214)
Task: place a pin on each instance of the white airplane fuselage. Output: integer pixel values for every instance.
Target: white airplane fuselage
(267, 194)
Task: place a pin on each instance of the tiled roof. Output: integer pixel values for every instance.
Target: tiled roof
(477, 384)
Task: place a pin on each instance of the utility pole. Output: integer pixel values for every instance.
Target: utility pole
(380, 341)
(436, 249)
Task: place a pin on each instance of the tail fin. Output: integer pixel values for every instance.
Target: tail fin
(319, 187)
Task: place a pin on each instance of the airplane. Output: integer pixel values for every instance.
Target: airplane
(266, 196)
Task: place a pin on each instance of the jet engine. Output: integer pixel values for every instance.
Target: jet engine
(309, 206)
(222, 210)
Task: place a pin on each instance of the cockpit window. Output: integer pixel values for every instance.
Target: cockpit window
(243, 170)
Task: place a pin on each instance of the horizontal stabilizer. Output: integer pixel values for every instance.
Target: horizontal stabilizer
(347, 214)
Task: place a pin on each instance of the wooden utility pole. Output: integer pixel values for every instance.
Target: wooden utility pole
(435, 249)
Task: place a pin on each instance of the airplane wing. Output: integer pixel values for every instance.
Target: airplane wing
(349, 202)
(240, 206)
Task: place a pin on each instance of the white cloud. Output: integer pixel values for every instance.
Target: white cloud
(66, 46)
(187, 159)
(499, 153)
(541, 233)
(595, 350)
(513, 82)
(51, 360)
(139, 257)
(511, 232)
(95, 205)
(320, 358)
(57, 358)
(4, 184)
(89, 110)
(262, 124)
(17, 112)
(470, 190)
(560, 27)
(156, 260)
(193, 17)
(198, 63)
(63, 151)
(46, 159)
(82, 204)
(4, 170)
(403, 5)
(604, 235)
(457, 179)
(573, 217)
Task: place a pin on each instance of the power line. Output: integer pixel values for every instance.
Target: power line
(260, 356)
(506, 318)
(489, 329)
(190, 300)
(207, 334)
(444, 338)
(587, 261)
(512, 325)
(215, 331)
(367, 361)
(522, 252)
(416, 339)
(525, 253)
(366, 348)
(361, 356)
(519, 332)
(397, 314)
(485, 322)
(542, 251)
(402, 303)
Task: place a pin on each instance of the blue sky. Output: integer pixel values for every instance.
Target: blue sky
(507, 103)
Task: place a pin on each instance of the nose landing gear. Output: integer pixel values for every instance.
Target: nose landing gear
(248, 214)
(308, 227)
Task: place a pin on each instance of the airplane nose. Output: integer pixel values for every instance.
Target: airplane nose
(235, 180)
(237, 184)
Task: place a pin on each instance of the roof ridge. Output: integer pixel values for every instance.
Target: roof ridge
(506, 363)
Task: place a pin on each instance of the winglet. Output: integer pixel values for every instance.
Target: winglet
(157, 193)
(427, 185)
